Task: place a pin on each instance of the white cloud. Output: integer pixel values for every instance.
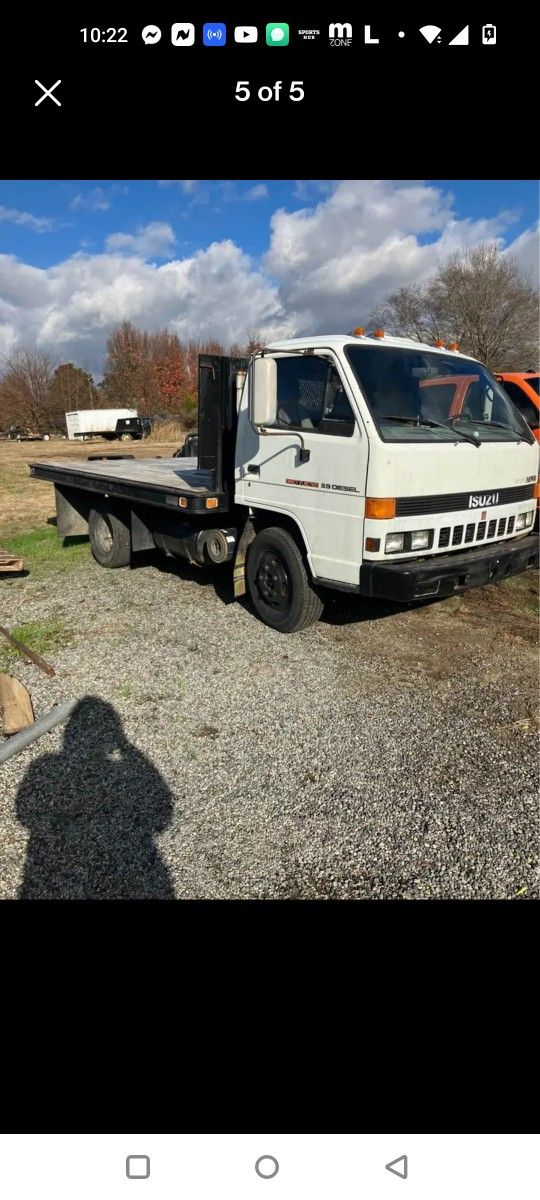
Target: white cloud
(526, 249)
(258, 192)
(327, 266)
(39, 224)
(156, 239)
(306, 189)
(98, 199)
(95, 200)
(189, 186)
(72, 306)
(336, 260)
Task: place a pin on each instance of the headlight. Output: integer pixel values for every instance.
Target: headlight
(529, 517)
(420, 539)
(520, 523)
(394, 543)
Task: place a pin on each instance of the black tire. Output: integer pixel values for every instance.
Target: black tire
(278, 583)
(110, 538)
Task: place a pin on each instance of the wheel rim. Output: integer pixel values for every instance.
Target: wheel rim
(103, 535)
(273, 581)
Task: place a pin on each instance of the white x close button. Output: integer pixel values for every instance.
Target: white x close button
(47, 92)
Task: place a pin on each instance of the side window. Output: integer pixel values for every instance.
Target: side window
(522, 403)
(311, 396)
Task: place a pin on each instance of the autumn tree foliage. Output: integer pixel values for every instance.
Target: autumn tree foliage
(156, 373)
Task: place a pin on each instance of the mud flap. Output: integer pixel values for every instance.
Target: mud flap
(239, 573)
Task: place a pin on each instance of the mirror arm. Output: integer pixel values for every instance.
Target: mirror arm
(305, 455)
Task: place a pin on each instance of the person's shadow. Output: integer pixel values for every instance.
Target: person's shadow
(92, 811)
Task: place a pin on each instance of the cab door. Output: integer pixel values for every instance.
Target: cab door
(312, 463)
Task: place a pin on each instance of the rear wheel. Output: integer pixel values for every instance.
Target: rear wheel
(278, 583)
(110, 538)
(126, 437)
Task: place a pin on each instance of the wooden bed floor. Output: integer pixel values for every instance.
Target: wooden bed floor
(178, 473)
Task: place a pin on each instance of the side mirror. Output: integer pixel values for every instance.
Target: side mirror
(264, 391)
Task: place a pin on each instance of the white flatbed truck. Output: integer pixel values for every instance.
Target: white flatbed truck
(376, 465)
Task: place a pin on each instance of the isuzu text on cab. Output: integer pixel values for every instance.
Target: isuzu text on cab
(374, 465)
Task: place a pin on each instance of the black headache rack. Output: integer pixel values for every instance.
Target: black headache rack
(206, 489)
(218, 417)
(446, 574)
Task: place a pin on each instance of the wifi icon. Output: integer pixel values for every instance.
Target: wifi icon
(430, 32)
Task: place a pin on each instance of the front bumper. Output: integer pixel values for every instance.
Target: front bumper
(445, 574)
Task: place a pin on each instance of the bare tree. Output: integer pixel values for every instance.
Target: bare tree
(255, 341)
(26, 385)
(479, 298)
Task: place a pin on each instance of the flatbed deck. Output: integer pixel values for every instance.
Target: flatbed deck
(160, 481)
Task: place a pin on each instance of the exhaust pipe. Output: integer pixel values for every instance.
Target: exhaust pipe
(207, 546)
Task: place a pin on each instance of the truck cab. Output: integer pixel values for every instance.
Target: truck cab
(401, 468)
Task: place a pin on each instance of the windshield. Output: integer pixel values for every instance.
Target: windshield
(416, 396)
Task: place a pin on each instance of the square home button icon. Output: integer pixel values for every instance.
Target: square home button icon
(137, 1166)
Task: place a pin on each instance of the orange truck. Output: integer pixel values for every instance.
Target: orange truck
(522, 387)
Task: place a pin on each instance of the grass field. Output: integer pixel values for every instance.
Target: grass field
(27, 504)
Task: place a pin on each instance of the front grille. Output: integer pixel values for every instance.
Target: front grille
(410, 506)
(469, 533)
(457, 535)
(511, 521)
(491, 529)
(481, 531)
(444, 536)
(502, 527)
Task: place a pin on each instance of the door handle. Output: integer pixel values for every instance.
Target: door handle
(253, 470)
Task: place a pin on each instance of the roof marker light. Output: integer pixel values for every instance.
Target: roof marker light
(378, 333)
(453, 345)
(439, 344)
(359, 331)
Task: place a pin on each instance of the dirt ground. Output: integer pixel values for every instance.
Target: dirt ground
(25, 505)
(382, 753)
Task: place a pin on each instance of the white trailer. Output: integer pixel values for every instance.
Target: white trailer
(100, 422)
(374, 465)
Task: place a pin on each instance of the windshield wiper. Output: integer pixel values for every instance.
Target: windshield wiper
(502, 425)
(429, 423)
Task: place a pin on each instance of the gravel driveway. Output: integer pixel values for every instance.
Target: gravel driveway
(382, 753)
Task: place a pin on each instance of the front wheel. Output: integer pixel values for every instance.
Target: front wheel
(278, 583)
(125, 437)
(110, 538)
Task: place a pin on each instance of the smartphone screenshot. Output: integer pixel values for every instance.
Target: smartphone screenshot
(269, 548)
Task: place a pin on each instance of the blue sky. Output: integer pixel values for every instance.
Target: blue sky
(210, 258)
(85, 212)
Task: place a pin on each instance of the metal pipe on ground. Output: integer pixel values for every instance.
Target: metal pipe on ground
(20, 741)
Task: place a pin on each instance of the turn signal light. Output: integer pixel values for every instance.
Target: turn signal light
(536, 492)
(380, 509)
(212, 502)
(182, 502)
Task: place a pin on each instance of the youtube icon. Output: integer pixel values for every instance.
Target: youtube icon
(245, 33)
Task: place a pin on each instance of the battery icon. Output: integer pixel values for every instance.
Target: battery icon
(489, 35)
